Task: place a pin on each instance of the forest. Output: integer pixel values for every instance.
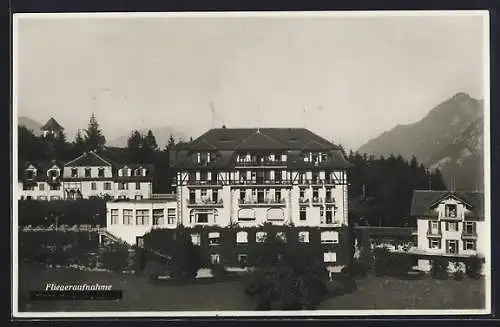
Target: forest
(380, 189)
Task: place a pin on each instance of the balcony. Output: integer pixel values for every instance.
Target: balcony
(455, 217)
(303, 200)
(313, 181)
(261, 183)
(329, 200)
(261, 164)
(205, 203)
(264, 203)
(317, 201)
(469, 234)
(434, 232)
(204, 183)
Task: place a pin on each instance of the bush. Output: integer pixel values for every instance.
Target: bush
(219, 270)
(439, 269)
(366, 260)
(115, 257)
(473, 267)
(381, 261)
(354, 269)
(458, 274)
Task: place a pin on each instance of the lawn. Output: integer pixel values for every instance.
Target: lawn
(140, 295)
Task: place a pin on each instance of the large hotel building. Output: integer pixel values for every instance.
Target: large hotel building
(245, 178)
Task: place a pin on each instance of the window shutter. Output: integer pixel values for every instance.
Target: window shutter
(447, 226)
(464, 247)
(430, 244)
(430, 225)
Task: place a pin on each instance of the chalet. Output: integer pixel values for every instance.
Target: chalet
(52, 127)
(41, 180)
(450, 224)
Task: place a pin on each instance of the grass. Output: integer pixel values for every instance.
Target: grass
(140, 295)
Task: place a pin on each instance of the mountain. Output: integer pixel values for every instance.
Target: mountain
(162, 134)
(30, 124)
(449, 137)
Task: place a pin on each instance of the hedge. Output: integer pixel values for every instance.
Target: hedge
(229, 250)
(68, 212)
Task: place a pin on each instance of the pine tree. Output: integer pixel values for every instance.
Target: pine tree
(134, 146)
(79, 146)
(170, 144)
(149, 142)
(94, 138)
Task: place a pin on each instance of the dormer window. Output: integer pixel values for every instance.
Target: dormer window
(100, 172)
(30, 173)
(322, 157)
(74, 172)
(137, 172)
(53, 173)
(87, 172)
(451, 210)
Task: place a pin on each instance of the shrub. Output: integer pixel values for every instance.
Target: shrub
(115, 257)
(398, 264)
(366, 260)
(354, 269)
(218, 270)
(381, 261)
(439, 269)
(458, 273)
(473, 267)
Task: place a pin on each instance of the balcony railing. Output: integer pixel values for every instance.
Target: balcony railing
(330, 200)
(434, 232)
(469, 234)
(451, 217)
(205, 203)
(265, 202)
(208, 183)
(263, 163)
(261, 182)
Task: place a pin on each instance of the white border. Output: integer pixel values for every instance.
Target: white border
(319, 313)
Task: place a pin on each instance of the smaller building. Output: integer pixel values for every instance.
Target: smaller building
(130, 220)
(52, 127)
(450, 224)
(41, 180)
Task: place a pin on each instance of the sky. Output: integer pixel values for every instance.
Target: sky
(347, 79)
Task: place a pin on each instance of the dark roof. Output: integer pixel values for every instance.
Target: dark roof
(227, 141)
(51, 125)
(423, 202)
(41, 169)
(89, 159)
(260, 138)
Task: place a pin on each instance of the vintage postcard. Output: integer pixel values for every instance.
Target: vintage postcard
(251, 164)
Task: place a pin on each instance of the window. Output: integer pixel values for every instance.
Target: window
(452, 226)
(122, 186)
(30, 173)
(214, 238)
(107, 186)
(195, 239)
(328, 195)
(74, 172)
(158, 216)
(450, 210)
(469, 227)
(41, 187)
(302, 193)
(114, 216)
(192, 177)
(214, 258)
(28, 187)
(141, 217)
(329, 215)
(87, 172)
(242, 260)
(470, 245)
(138, 197)
(42, 198)
(303, 214)
(171, 216)
(277, 195)
(304, 237)
(100, 172)
(330, 237)
(202, 218)
(203, 176)
(55, 198)
(203, 192)
(93, 186)
(215, 196)
(241, 237)
(137, 185)
(192, 196)
(452, 246)
(260, 237)
(242, 195)
(127, 216)
(329, 257)
(54, 187)
(321, 214)
(434, 244)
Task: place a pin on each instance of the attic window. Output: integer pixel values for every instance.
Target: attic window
(293, 139)
(74, 172)
(53, 173)
(138, 172)
(30, 173)
(100, 172)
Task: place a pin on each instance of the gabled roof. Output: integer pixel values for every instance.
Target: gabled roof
(424, 201)
(260, 138)
(89, 159)
(41, 168)
(51, 125)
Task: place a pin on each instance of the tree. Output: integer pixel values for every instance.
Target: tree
(287, 275)
(78, 146)
(134, 146)
(94, 138)
(149, 147)
(171, 143)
